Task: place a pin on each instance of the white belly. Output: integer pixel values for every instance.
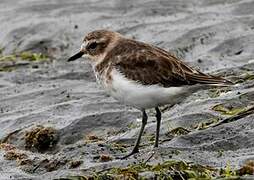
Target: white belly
(141, 96)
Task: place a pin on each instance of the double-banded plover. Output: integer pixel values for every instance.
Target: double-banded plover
(141, 75)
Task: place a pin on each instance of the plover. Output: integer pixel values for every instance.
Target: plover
(141, 75)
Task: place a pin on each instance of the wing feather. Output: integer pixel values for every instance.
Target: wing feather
(150, 65)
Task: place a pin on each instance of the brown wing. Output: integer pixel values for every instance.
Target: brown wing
(150, 65)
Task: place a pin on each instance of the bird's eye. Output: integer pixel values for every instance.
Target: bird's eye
(92, 45)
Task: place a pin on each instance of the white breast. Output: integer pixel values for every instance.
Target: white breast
(141, 96)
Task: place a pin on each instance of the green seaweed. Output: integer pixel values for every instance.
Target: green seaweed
(171, 169)
(228, 171)
(207, 124)
(11, 57)
(228, 111)
(249, 77)
(7, 69)
(150, 137)
(246, 77)
(29, 56)
(213, 93)
(132, 125)
(25, 55)
(220, 153)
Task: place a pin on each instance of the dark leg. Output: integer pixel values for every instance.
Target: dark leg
(135, 149)
(158, 118)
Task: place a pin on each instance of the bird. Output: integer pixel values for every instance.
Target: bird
(141, 75)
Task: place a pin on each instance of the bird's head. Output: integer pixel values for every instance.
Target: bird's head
(96, 44)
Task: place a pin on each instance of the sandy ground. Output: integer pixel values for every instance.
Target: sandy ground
(213, 35)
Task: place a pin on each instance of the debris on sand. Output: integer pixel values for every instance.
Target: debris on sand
(247, 168)
(7, 147)
(92, 138)
(105, 158)
(21, 158)
(41, 138)
(50, 165)
(14, 155)
(75, 164)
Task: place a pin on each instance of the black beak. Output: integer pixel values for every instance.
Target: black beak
(76, 56)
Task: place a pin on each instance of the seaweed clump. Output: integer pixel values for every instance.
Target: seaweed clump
(91, 138)
(214, 93)
(224, 110)
(75, 164)
(247, 168)
(41, 138)
(11, 62)
(19, 157)
(105, 158)
(178, 131)
(172, 169)
(167, 170)
(14, 155)
(25, 55)
(29, 56)
(206, 124)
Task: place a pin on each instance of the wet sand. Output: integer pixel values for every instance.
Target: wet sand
(214, 36)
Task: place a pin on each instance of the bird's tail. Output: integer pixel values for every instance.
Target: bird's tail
(202, 78)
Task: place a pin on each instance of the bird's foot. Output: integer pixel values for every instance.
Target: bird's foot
(152, 153)
(134, 151)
